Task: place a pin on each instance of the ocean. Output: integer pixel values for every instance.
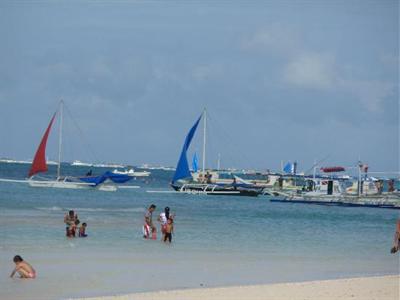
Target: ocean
(218, 240)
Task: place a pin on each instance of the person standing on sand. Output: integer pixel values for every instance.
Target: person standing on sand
(148, 226)
(396, 241)
(24, 269)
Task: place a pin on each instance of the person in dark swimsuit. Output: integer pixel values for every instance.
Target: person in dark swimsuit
(82, 230)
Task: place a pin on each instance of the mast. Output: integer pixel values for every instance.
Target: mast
(315, 169)
(219, 161)
(359, 191)
(204, 140)
(60, 139)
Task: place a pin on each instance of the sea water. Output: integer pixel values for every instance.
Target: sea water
(218, 240)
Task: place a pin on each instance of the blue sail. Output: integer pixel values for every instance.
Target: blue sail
(195, 166)
(96, 180)
(182, 169)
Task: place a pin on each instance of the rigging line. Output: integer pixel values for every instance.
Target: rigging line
(83, 137)
(231, 159)
(227, 137)
(211, 145)
(317, 163)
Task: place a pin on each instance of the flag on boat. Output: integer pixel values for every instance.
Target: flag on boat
(289, 168)
(195, 166)
(363, 167)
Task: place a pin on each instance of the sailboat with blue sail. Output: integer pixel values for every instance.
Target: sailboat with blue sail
(183, 180)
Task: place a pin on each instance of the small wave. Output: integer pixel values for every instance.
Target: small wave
(90, 209)
(53, 208)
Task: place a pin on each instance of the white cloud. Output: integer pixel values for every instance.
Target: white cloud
(59, 69)
(371, 93)
(276, 37)
(390, 60)
(310, 70)
(307, 68)
(204, 72)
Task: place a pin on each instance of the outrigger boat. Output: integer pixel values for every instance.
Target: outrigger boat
(183, 181)
(342, 191)
(104, 182)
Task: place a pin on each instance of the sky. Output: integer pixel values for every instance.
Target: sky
(281, 81)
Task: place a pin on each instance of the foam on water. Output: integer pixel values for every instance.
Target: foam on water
(91, 209)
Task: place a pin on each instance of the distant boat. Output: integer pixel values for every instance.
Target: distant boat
(103, 182)
(78, 163)
(108, 165)
(13, 161)
(183, 180)
(131, 172)
(150, 167)
(332, 190)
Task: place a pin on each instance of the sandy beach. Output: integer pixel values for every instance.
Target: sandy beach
(365, 288)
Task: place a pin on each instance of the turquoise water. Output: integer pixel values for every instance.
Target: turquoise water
(219, 240)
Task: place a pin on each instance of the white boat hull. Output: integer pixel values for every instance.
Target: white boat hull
(58, 184)
(132, 173)
(61, 184)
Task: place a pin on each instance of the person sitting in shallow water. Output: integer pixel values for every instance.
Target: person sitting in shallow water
(82, 230)
(396, 241)
(24, 269)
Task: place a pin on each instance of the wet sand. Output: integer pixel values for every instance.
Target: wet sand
(364, 288)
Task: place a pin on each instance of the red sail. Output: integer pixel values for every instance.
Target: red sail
(39, 162)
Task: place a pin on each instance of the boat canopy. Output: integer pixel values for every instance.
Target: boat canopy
(96, 180)
(39, 162)
(182, 168)
(332, 169)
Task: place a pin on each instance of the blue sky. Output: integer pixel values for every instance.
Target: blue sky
(281, 80)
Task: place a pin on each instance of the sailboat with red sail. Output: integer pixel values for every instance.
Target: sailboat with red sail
(103, 182)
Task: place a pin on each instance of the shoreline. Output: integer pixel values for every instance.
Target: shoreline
(365, 288)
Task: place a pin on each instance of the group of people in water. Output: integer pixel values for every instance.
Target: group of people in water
(166, 220)
(72, 222)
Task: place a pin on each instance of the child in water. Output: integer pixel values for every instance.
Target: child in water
(24, 269)
(169, 229)
(82, 230)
